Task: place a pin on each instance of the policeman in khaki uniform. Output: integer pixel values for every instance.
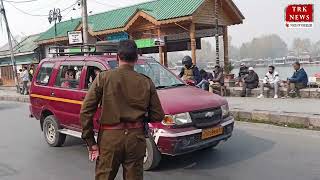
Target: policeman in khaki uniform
(126, 97)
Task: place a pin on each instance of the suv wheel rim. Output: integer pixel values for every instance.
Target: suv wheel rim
(50, 132)
(145, 156)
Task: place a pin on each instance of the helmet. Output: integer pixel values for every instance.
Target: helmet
(187, 61)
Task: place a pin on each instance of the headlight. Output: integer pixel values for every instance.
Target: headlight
(178, 119)
(225, 110)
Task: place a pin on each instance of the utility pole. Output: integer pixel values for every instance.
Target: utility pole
(217, 33)
(13, 61)
(84, 23)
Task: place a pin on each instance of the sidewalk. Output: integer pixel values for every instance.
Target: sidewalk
(10, 94)
(296, 112)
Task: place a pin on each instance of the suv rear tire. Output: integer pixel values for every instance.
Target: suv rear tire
(51, 132)
(152, 157)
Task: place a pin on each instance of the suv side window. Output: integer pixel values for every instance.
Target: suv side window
(92, 72)
(69, 76)
(44, 74)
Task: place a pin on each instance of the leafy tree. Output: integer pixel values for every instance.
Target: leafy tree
(269, 46)
(301, 45)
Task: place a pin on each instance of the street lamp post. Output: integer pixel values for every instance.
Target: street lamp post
(54, 16)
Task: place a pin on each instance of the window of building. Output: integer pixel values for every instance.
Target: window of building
(44, 74)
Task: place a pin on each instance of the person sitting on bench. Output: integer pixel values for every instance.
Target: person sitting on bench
(251, 81)
(298, 81)
(271, 80)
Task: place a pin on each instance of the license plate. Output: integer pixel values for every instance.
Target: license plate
(208, 133)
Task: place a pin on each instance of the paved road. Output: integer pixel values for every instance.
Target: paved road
(256, 152)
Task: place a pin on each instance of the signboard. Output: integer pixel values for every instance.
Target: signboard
(299, 16)
(75, 37)
(145, 43)
(116, 37)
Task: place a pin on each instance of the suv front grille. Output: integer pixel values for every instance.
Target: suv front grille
(205, 118)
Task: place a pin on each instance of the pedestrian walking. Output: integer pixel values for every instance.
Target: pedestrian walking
(126, 98)
(31, 72)
(25, 80)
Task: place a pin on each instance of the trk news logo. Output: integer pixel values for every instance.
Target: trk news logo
(299, 16)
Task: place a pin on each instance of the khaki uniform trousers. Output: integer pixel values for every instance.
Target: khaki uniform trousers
(121, 147)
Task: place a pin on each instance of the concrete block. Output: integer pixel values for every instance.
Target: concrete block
(261, 116)
(278, 118)
(314, 121)
(244, 115)
(235, 114)
(315, 93)
(305, 93)
(298, 119)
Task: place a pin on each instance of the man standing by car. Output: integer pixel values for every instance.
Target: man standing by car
(25, 80)
(271, 80)
(126, 98)
(190, 72)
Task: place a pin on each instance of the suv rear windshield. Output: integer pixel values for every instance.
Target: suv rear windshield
(161, 77)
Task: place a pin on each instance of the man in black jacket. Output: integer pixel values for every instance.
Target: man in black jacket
(190, 71)
(243, 71)
(251, 81)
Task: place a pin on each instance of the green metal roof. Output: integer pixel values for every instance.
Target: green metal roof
(159, 9)
(27, 44)
(62, 29)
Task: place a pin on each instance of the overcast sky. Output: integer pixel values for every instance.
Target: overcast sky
(262, 17)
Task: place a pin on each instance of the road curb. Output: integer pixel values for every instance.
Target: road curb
(309, 121)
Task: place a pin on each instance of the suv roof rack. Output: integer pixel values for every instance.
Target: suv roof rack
(100, 48)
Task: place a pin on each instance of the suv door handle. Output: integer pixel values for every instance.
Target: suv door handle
(52, 94)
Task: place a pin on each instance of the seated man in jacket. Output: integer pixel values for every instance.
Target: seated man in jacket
(271, 80)
(251, 81)
(217, 81)
(189, 72)
(206, 78)
(298, 81)
(243, 71)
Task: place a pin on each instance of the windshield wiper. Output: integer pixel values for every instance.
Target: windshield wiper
(171, 86)
(177, 85)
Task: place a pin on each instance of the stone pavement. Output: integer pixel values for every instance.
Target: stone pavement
(297, 112)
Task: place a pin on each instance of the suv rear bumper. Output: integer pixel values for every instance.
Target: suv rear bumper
(189, 141)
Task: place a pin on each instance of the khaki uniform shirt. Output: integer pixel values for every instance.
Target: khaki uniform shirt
(125, 96)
